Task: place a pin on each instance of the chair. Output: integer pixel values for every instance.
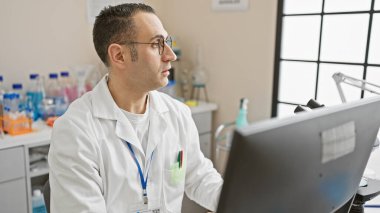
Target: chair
(223, 138)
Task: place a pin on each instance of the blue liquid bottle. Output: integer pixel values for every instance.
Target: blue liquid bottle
(38, 203)
(241, 119)
(35, 94)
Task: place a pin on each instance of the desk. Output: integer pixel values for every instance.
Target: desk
(18, 176)
(374, 165)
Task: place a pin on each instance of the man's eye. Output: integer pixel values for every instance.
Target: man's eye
(155, 44)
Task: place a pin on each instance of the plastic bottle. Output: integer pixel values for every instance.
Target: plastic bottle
(55, 92)
(2, 93)
(18, 98)
(13, 113)
(2, 88)
(53, 87)
(241, 119)
(35, 94)
(38, 203)
(6, 109)
(69, 86)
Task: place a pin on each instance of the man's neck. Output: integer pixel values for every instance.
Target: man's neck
(127, 97)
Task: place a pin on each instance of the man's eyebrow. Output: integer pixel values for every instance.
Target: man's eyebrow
(157, 36)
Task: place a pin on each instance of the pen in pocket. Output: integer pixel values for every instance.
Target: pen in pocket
(180, 158)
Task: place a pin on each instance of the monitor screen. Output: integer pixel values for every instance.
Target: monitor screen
(310, 162)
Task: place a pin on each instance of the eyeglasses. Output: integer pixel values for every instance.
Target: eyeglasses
(160, 43)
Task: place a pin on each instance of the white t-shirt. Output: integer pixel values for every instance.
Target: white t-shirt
(140, 123)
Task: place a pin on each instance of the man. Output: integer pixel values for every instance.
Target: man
(125, 147)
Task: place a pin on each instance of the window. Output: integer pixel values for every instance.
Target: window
(317, 38)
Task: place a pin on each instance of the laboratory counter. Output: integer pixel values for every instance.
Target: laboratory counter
(23, 161)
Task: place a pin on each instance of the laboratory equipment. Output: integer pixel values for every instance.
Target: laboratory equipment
(364, 85)
(199, 78)
(53, 87)
(20, 95)
(358, 83)
(38, 203)
(311, 162)
(2, 92)
(34, 96)
(15, 121)
(241, 119)
(69, 86)
(56, 93)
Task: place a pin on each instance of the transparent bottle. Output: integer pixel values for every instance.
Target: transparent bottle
(6, 109)
(14, 106)
(55, 92)
(38, 203)
(69, 86)
(2, 88)
(19, 97)
(53, 87)
(2, 93)
(34, 96)
(241, 119)
(199, 72)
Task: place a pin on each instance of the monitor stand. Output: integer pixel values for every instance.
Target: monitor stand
(364, 194)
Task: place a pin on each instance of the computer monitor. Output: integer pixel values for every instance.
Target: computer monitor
(310, 162)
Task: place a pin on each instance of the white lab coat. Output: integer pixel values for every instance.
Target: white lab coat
(92, 169)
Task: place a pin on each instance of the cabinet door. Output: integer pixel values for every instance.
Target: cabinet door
(203, 122)
(13, 196)
(12, 164)
(205, 144)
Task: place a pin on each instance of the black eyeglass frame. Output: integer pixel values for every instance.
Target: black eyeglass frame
(161, 44)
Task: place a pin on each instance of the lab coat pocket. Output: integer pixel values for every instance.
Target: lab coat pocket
(174, 187)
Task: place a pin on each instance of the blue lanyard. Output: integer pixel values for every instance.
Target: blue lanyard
(143, 182)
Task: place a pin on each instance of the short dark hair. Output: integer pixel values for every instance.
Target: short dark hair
(115, 24)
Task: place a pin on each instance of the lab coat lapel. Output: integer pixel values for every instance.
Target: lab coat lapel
(126, 132)
(104, 107)
(158, 124)
(157, 130)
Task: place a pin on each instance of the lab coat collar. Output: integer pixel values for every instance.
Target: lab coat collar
(105, 107)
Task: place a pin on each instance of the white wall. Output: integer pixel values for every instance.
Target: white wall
(238, 47)
(43, 36)
(238, 50)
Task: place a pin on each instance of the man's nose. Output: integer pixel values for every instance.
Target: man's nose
(168, 54)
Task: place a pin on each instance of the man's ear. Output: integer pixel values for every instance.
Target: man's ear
(116, 54)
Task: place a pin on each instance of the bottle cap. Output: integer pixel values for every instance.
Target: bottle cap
(244, 103)
(11, 95)
(37, 192)
(1, 78)
(6, 96)
(53, 75)
(64, 74)
(17, 86)
(33, 76)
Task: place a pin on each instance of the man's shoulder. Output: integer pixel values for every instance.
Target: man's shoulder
(78, 109)
(82, 103)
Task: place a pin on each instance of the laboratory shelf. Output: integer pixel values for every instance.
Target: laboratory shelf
(39, 172)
